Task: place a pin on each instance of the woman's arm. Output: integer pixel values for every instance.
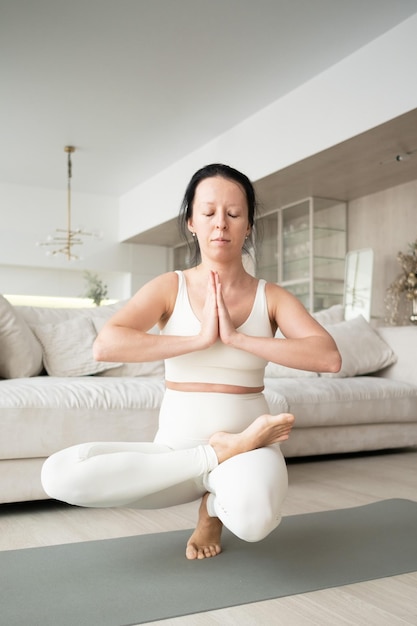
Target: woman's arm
(306, 344)
(125, 337)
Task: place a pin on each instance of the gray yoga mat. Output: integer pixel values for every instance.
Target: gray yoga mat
(120, 582)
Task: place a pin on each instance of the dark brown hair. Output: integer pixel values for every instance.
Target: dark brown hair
(186, 210)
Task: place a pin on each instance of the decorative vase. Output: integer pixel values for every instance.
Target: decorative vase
(413, 316)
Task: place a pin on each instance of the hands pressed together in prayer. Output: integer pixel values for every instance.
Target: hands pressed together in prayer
(216, 323)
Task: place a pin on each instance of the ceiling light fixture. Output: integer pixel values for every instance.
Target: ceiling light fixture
(404, 156)
(400, 157)
(66, 238)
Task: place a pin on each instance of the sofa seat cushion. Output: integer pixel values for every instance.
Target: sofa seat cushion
(275, 395)
(344, 401)
(43, 414)
(355, 438)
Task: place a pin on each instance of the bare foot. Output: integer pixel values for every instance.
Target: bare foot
(264, 431)
(205, 540)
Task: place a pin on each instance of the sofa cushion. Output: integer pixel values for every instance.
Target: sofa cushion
(403, 340)
(43, 414)
(20, 352)
(351, 438)
(275, 397)
(332, 315)
(67, 348)
(38, 315)
(363, 351)
(344, 401)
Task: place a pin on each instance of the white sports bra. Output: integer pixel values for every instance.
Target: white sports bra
(220, 363)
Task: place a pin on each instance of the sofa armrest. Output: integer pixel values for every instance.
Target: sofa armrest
(403, 341)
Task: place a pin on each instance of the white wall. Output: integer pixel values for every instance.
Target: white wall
(387, 223)
(368, 88)
(29, 214)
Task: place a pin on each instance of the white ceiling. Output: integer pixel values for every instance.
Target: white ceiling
(382, 157)
(137, 84)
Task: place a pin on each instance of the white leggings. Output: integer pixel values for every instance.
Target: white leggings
(246, 491)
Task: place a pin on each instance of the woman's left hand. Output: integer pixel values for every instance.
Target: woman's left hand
(226, 327)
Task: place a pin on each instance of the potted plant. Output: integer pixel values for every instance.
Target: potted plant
(96, 289)
(404, 286)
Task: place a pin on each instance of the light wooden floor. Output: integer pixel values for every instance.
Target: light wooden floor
(315, 485)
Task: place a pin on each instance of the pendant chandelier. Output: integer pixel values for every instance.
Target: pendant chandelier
(67, 238)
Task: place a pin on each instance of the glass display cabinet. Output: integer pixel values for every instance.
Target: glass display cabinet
(303, 249)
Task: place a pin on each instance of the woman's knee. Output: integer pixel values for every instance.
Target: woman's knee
(249, 493)
(60, 478)
(253, 524)
(51, 478)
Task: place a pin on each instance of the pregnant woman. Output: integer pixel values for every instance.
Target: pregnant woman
(216, 439)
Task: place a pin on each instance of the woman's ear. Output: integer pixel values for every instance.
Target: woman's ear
(190, 226)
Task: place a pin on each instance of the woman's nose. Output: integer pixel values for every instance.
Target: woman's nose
(221, 222)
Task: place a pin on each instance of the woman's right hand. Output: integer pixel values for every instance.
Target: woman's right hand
(209, 332)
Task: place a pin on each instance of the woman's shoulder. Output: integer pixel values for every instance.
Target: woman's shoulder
(167, 279)
(278, 299)
(161, 293)
(273, 290)
(161, 288)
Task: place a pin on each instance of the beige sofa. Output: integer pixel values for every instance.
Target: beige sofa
(53, 394)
